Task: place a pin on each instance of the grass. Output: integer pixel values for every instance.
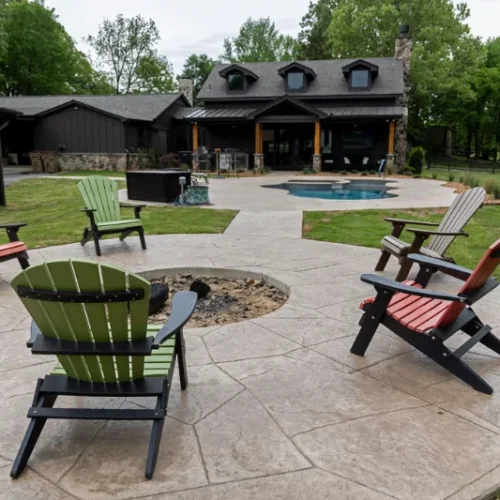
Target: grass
(444, 175)
(86, 173)
(367, 227)
(52, 209)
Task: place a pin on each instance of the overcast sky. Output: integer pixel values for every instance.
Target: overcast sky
(197, 26)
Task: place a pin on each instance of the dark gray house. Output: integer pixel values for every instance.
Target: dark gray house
(331, 115)
(90, 124)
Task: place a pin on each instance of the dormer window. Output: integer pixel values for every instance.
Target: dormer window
(297, 76)
(360, 79)
(360, 74)
(295, 80)
(236, 82)
(238, 78)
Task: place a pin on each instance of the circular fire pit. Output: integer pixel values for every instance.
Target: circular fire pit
(233, 295)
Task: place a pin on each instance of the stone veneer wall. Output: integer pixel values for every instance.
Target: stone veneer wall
(403, 53)
(96, 161)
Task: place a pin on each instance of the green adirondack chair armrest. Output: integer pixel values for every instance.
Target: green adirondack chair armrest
(137, 208)
(183, 305)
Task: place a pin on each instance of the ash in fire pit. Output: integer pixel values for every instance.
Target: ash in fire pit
(226, 301)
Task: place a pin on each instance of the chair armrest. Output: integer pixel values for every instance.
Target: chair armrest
(407, 221)
(88, 210)
(461, 273)
(137, 208)
(183, 305)
(13, 226)
(381, 283)
(429, 232)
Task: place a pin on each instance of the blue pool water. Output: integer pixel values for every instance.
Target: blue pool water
(356, 190)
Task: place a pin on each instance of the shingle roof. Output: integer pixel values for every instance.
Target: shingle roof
(329, 80)
(203, 113)
(145, 107)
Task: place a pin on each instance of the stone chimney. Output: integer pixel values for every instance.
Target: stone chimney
(403, 53)
(186, 87)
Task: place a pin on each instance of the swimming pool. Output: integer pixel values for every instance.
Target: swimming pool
(343, 190)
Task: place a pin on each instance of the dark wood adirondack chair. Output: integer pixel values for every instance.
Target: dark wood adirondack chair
(15, 249)
(426, 319)
(102, 206)
(458, 215)
(94, 319)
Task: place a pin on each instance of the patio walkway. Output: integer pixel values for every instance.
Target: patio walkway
(277, 408)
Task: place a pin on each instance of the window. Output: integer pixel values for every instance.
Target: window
(236, 82)
(360, 79)
(295, 80)
(357, 139)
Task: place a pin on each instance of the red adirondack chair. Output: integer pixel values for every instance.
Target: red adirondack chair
(15, 249)
(426, 318)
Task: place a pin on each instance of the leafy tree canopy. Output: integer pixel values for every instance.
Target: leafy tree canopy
(313, 39)
(197, 68)
(259, 41)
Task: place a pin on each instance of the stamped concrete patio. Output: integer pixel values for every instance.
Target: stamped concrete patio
(276, 408)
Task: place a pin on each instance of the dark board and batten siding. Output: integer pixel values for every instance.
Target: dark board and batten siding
(80, 130)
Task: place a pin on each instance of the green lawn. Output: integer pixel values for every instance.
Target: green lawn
(444, 175)
(367, 227)
(52, 208)
(86, 173)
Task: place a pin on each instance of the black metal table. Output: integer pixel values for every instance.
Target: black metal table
(156, 185)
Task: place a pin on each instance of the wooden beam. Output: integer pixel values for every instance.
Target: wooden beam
(317, 138)
(392, 129)
(258, 138)
(195, 136)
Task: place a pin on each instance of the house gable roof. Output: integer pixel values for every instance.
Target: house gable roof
(236, 67)
(304, 108)
(310, 73)
(145, 107)
(329, 81)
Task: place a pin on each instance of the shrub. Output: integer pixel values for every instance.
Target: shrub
(434, 176)
(407, 171)
(496, 191)
(343, 172)
(263, 170)
(416, 159)
(307, 171)
(490, 185)
(451, 177)
(353, 171)
(416, 176)
(461, 179)
(364, 174)
(170, 161)
(471, 181)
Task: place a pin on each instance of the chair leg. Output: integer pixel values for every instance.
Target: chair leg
(489, 340)
(156, 431)
(23, 260)
(33, 432)
(96, 244)
(141, 237)
(384, 258)
(87, 235)
(404, 270)
(180, 350)
(124, 235)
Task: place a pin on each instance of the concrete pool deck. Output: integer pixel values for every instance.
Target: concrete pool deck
(277, 408)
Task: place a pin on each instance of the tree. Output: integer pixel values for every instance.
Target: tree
(259, 41)
(197, 68)
(445, 54)
(313, 39)
(41, 57)
(125, 48)
(155, 75)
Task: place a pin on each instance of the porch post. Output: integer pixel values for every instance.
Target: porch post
(390, 147)
(258, 158)
(195, 136)
(316, 164)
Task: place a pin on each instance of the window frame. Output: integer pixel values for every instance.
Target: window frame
(367, 87)
(304, 81)
(236, 91)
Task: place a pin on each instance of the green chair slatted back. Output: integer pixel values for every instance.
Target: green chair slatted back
(96, 322)
(101, 194)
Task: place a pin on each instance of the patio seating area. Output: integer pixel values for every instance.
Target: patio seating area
(276, 407)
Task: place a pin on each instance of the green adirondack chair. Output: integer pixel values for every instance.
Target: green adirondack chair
(102, 206)
(93, 317)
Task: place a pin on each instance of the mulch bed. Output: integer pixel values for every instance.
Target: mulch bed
(229, 301)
